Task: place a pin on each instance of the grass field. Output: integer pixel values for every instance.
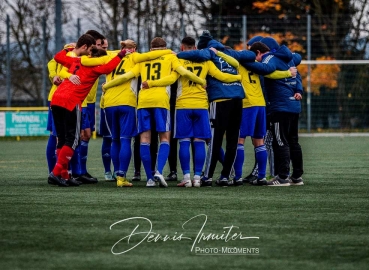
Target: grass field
(322, 225)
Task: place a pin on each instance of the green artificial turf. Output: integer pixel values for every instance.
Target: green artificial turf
(321, 225)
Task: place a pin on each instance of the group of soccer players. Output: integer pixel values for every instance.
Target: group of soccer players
(218, 93)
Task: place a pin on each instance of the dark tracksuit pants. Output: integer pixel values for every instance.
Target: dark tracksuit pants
(225, 118)
(286, 147)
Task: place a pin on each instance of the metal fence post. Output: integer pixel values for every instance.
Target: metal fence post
(44, 63)
(8, 68)
(244, 30)
(58, 26)
(308, 90)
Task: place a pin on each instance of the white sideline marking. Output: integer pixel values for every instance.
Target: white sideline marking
(343, 134)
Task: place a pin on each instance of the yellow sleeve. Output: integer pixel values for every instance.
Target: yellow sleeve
(167, 80)
(52, 67)
(64, 74)
(189, 75)
(229, 59)
(279, 74)
(96, 61)
(221, 76)
(142, 57)
(118, 80)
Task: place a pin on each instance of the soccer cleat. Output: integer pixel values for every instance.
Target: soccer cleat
(186, 182)
(222, 182)
(136, 176)
(72, 182)
(296, 181)
(171, 177)
(278, 182)
(206, 182)
(109, 177)
(259, 182)
(56, 180)
(150, 183)
(86, 179)
(160, 178)
(238, 182)
(123, 182)
(250, 178)
(196, 181)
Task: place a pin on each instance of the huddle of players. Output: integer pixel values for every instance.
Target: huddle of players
(237, 108)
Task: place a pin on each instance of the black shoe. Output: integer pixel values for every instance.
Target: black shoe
(171, 177)
(206, 182)
(238, 182)
(85, 178)
(250, 178)
(73, 182)
(259, 182)
(222, 182)
(56, 180)
(136, 177)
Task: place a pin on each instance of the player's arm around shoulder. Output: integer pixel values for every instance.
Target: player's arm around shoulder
(221, 76)
(134, 72)
(165, 81)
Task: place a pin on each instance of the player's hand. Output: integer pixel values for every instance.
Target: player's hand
(57, 80)
(75, 79)
(214, 50)
(293, 71)
(145, 85)
(297, 96)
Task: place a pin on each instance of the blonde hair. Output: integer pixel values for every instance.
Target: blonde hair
(128, 44)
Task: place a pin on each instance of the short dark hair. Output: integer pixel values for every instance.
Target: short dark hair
(189, 41)
(85, 39)
(96, 35)
(97, 52)
(158, 42)
(258, 46)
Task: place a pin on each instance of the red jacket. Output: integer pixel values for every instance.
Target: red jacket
(68, 95)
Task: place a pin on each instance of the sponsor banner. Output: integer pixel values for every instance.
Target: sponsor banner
(23, 123)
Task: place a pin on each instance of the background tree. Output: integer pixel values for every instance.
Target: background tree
(26, 45)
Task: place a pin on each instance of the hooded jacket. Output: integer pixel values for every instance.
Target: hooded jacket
(217, 89)
(279, 93)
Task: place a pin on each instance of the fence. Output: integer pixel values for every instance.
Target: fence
(335, 92)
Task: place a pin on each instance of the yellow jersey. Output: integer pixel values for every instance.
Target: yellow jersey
(191, 95)
(54, 70)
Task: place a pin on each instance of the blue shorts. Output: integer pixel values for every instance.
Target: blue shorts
(85, 119)
(103, 127)
(253, 122)
(50, 121)
(121, 121)
(91, 114)
(153, 118)
(192, 123)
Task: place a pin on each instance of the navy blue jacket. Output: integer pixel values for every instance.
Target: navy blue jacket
(217, 89)
(279, 93)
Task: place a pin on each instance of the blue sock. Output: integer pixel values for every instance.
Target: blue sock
(163, 154)
(114, 152)
(50, 152)
(261, 158)
(200, 155)
(105, 153)
(146, 159)
(75, 162)
(221, 155)
(238, 163)
(124, 155)
(83, 155)
(184, 155)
